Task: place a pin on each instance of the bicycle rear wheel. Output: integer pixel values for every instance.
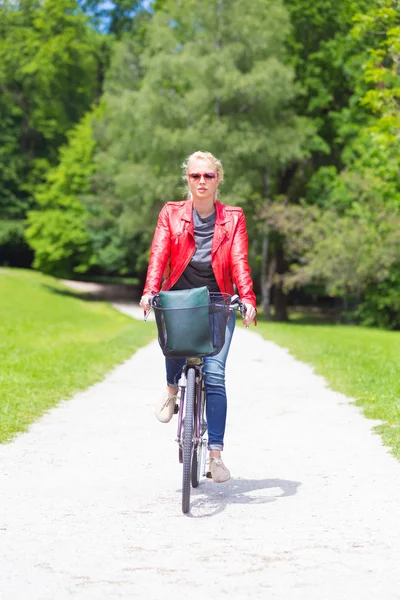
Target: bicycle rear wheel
(188, 438)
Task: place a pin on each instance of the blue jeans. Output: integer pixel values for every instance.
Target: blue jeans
(214, 370)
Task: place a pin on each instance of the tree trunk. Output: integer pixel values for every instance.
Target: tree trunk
(267, 289)
(280, 298)
(265, 276)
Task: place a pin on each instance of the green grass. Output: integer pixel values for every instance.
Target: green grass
(53, 343)
(359, 362)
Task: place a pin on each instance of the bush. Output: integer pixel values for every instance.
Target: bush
(13, 248)
(381, 304)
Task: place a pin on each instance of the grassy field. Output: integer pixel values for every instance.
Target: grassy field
(53, 343)
(359, 362)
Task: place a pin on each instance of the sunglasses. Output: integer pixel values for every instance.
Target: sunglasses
(198, 176)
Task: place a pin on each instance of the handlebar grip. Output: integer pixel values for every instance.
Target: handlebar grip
(242, 309)
(236, 303)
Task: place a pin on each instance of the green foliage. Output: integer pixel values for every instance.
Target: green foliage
(348, 252)
(211, 76)
(319, 50)
(71, 231)
(57, 229)
(11, 231)
(347, 239)
(53, 344)
(368, 127)
(324, 57)
(381, 303)
(48, 59)
(49, 77)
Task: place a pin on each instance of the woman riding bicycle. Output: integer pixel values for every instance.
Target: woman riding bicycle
(202, 242)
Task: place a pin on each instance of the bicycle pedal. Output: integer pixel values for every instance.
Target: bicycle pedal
(208, 475)
(176, 409)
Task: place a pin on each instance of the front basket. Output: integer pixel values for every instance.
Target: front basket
(197, 331)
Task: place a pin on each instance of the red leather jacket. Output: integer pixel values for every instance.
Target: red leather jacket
(174, 245)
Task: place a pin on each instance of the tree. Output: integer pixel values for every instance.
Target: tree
(210, 76)
(347, 253)
(49, 77)
(348, 237)
(57, 230)
(318, 48)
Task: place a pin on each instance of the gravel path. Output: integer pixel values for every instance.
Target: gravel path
(90, 496)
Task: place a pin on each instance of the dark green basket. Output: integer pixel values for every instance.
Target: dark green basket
(191, 322)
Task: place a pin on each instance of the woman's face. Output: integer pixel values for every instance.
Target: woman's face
(202, 184)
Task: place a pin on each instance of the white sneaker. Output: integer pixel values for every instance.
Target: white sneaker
(166, 407)
(219, 472)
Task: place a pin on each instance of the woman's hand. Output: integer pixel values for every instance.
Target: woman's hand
(250, 314)
(145, 302)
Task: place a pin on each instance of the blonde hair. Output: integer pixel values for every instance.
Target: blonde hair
(217, 165)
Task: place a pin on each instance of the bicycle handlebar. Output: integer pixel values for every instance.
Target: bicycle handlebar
(235, 304)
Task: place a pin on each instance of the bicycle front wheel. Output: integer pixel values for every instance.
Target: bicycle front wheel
(200, 451)
(188, 438)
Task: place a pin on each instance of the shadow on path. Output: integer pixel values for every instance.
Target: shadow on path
(92, 292)
(88, 297)
(210, 499)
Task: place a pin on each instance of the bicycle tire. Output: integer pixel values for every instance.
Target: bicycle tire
(196, 465)
(188, 439)
(198, 453)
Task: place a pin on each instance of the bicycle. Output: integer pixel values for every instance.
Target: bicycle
(192, 423)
